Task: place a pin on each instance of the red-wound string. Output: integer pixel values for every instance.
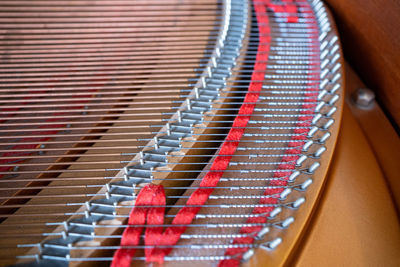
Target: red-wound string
(185, 216)
(150, 195)
(287, 162)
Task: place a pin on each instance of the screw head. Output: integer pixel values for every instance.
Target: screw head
(364, 98)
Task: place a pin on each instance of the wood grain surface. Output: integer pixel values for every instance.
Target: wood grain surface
(370, 35)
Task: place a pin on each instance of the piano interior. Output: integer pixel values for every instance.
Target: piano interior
(199, 132)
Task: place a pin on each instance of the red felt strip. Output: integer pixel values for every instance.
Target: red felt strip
(288, 162)
(198, 198)
(150, 195)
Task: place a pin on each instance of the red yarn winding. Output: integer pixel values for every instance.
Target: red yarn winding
(185, 216)
(288, 162)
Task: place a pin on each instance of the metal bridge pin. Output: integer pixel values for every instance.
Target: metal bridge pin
(288, 221)
(331, 112)
(141, 155)
(325, 62)
(274, 212)
(316, 118)
(64, 234)
(66, 225)
(209, 72)
(38, 257)
(322, 94)
(168, 128)
(335, 58)
(319, 152)
(313, 167)
(156, 142)
(179, 116)
(322, 36)
(218, 51)
(323, 83)
(335, 88)
(324, 137)
(306, 184)
(307, 145)
(336, 77)
(320, 12)
(333, 40)
(260, 235)
(151, 173)
(313, 130)
(328, 124)
(325, 25)
(126, 174)
(324, 45)
(293, 176)
(301, 160)
(221, 42)
(214, 62)
(188, 103)
(324, 73)
(298, 202)
(324, 54)
(285, 193)
(334, 49)
(317, 5)
(336, 67)
(272, 244)
(319, 106)
(247, 255)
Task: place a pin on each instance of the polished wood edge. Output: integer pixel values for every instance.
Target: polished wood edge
(380, 133)
(355, 223)
(371, 41)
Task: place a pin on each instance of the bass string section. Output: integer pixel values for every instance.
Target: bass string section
(83, 85)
